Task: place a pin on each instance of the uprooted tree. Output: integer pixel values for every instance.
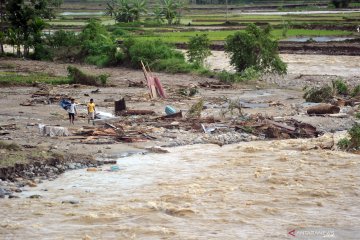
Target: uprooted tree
(254, 49)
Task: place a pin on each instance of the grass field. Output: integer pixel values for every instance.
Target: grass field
(12, 78)
(180, 37)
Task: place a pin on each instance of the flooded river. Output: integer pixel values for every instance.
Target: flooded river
(345, 66)
(246, 191)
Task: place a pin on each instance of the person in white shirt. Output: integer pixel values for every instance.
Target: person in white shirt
(72, 111)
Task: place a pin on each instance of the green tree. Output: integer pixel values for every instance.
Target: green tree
(158, 15)
(341, 3)
(2, 27)
(126, 10)
(97, 46)
(199, 49)
(27, 18)
(138, 8)
(110, 8)
(254, 49)
(171, 9)
(15, 38)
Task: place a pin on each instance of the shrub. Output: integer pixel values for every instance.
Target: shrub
(227, 77)
(344, 144)
(247, 75)
(118, 32)
(354, 133)
(340, 3)
(63, 38)
(9, 146)
(42, 52)
(150, 52)
(97, 46)
(357, 115)
(173, 65)
(196, 109)
(254, 48)
(318, 95)
(198, 49)
(79, 77)
(340, 86)
(356, 91)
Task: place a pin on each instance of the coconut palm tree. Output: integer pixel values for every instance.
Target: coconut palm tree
(171, 9)
(111, 8)
(138, 8)
(158, 14)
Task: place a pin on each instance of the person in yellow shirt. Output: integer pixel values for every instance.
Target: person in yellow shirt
(91, 110)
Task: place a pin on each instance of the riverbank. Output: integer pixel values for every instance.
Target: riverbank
(272, 97)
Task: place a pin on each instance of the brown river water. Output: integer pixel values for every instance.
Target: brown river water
(344, 66)
(254, 190)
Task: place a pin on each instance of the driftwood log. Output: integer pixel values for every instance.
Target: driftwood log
(323, 109)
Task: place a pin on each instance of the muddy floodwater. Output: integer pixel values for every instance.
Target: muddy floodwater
(256, 190)
(345, 66)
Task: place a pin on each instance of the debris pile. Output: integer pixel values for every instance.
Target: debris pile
(46, 94)
(268, 128)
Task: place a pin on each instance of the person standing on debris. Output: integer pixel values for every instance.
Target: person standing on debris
(91, 110)
(72, 111)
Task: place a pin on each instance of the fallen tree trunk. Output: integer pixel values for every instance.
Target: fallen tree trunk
(323, 109)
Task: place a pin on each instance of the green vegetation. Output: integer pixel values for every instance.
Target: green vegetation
(340, 86)
(26, 21)
(318, 94)
(10, 79)
(170, 10)
(183, 37)
(158, 55)
(149, 52)
(247, 75)
(196, 109)
(357, 115)
(355, 91)
(198, 49)
(354, 142)
(93, 45)
(9, 146)
(344, 143)
(97, 46)
(341, 3)
(79, 77)
(254, 49)
(125, 10)
(327, 92)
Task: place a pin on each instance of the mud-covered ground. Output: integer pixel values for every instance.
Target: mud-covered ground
(156, 196)
(283, 95)
(303, 70)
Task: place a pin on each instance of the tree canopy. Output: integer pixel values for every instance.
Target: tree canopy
(254, 49)
(25, 21)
